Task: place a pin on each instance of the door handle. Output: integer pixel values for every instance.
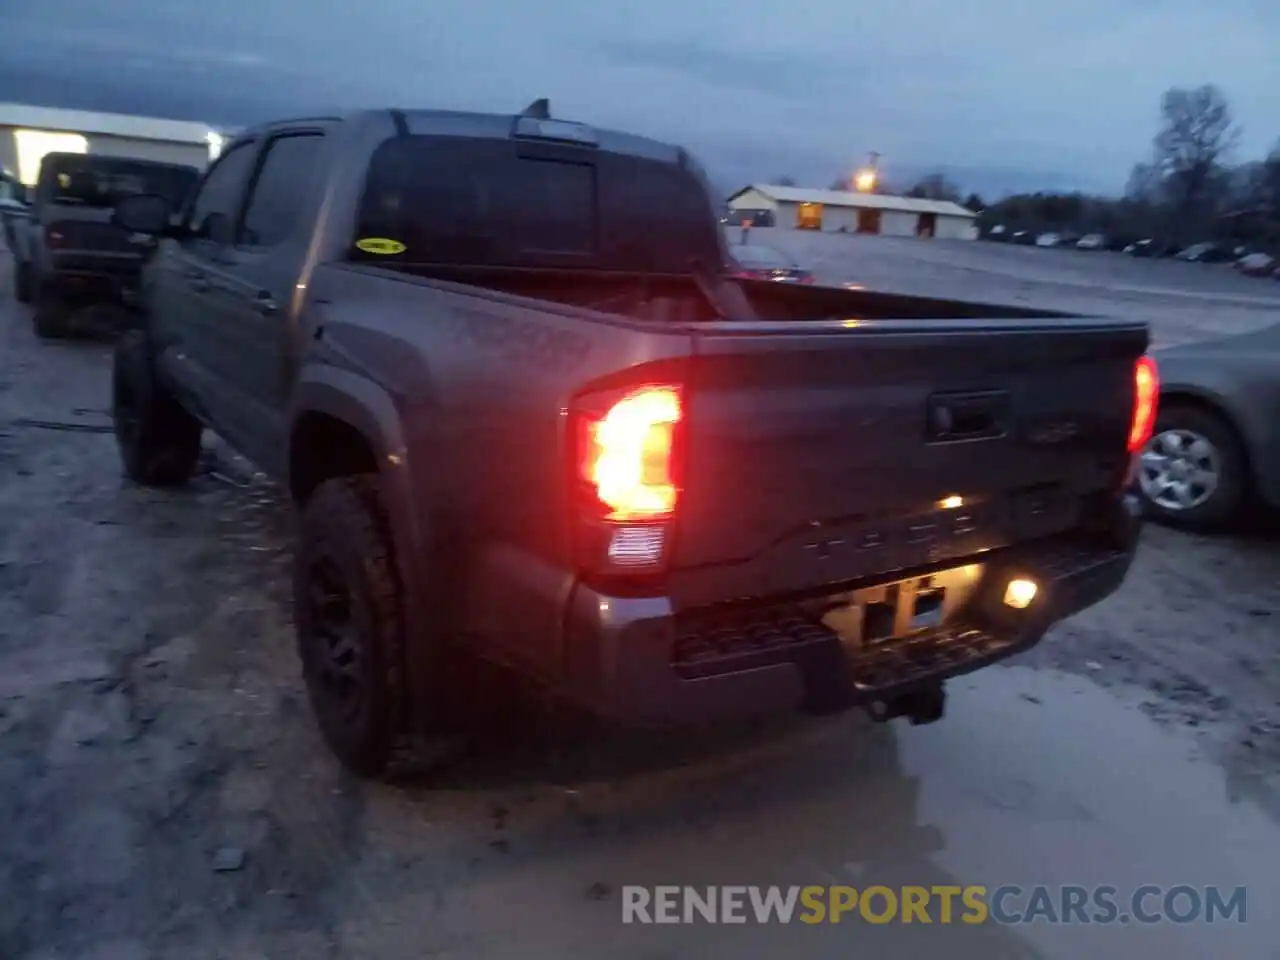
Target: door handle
(966, 416)
(264, 303)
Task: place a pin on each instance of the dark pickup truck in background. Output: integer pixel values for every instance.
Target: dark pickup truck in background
(528, 415)
(67, 252)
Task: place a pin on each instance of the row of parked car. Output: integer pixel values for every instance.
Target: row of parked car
(1254, 263)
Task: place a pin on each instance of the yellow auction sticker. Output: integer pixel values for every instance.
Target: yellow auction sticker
(380, 245)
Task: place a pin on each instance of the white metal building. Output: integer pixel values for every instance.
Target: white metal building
(798, 208)
(27, 133)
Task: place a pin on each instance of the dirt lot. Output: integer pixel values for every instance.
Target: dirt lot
(163, 793)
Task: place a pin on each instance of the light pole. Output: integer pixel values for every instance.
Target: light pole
(864, 181)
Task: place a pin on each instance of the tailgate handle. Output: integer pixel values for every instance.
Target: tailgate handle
(966, 416)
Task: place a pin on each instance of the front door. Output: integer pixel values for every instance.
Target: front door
(256, 290)
(188, 314)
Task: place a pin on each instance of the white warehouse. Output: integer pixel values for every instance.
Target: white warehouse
(797, 208)
(27, 133)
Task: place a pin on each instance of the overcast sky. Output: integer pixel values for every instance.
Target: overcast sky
(1002, 93)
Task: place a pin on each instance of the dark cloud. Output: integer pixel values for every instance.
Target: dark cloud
(993, 91)
(767, 73)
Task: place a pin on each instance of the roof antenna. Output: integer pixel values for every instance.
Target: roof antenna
(540, 109)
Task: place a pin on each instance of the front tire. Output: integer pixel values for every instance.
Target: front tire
(50, 317)
(22, 283)
(50, 323)
(350, 622)
(159, 440)
(1193, 472)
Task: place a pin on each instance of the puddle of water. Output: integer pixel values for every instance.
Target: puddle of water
(1081, 788)
(1077, 788)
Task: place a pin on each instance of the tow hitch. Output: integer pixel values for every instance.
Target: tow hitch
(920, 706)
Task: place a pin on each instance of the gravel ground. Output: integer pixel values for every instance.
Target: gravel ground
(164, 792)
(1182, 301)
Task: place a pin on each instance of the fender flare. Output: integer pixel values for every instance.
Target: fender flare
(358, 401)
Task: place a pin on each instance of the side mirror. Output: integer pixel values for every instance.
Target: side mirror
(143, 213)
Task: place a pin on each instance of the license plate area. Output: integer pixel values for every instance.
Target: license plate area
(900, 609)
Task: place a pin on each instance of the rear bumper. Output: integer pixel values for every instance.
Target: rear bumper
(637, 662)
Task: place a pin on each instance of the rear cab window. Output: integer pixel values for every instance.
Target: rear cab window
(102, 182)
(493, 202)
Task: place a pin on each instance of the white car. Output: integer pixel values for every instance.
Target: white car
(1091, 241)
(1048, 240)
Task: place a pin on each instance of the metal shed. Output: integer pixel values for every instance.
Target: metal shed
(27, 133)
(848, 212)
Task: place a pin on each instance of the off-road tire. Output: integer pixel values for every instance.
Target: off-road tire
(50, 316)
(159, 441)
(50, 322)
(1227, 501)
(22, 285)
(344, 529)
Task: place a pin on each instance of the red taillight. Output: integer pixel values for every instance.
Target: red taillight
(626, 476)
(1146, 399)
(626, 455)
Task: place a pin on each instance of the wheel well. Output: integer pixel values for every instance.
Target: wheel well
(1181, 399)
(324, 447)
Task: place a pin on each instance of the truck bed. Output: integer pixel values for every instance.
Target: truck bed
(679, 298)
(839, 437)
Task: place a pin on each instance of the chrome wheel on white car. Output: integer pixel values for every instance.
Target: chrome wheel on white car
(1193, 471)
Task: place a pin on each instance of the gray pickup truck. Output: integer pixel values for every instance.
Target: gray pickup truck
(528, 415)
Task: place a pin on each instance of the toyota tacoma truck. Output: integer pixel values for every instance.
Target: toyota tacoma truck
(67, 252)
(528, 415)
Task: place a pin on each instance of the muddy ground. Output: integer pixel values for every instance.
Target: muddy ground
(163, 793)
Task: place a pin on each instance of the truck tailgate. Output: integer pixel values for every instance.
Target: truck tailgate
(819, 453)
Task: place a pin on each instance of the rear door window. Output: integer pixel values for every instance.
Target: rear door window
(281, 189)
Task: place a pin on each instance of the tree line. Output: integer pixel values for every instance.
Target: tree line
(1191, 187)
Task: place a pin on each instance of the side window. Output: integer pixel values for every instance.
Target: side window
(220, 191)
(281, 190)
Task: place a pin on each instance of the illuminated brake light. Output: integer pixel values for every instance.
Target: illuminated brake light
(1146, 399)
(626, 455)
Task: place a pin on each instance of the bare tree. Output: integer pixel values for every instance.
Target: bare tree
(1144, 184)
(935, 187)
(1197, 135)
(783, 181)
(842, 184)
(1264, 191)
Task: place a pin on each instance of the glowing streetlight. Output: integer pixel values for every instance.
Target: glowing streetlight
(865, 180)
(215, 141)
